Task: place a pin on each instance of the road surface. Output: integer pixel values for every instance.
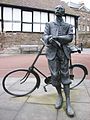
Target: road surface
(11, 62)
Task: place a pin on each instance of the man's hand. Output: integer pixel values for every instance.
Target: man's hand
(50, 40)
(55, 37)
(54, 42)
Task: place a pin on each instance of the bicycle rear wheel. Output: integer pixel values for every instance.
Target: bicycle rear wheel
(77, 74)
(20, 82)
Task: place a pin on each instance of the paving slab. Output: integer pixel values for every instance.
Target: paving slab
(77, 95)
(42, 97)
(86, 83)
(39, 105)
(7, 114)
(82, 111)
(63, 116)
(37, 112)
(11, 103)
(1, 88)
(80, 95)
(88, 90)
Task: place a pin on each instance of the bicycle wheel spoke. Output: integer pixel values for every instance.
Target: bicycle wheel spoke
(25, 78)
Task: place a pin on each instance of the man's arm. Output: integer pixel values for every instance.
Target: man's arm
(46, 35)
(65, 39)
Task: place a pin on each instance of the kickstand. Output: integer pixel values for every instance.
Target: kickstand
(45, 88)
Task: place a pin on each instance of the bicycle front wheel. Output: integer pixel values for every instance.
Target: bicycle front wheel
(20, 82)
(78, 73)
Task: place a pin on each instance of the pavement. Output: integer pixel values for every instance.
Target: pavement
(86, 50)
(39, 105)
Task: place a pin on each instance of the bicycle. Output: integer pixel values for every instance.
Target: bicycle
(21, 82)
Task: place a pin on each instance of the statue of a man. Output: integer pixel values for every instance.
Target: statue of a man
(58, 57)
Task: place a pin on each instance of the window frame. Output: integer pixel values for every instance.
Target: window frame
(26, 22)
(12, 21)
(40, 23)
(88, 28)
(70, 22)
(0, 18)
(26, 9)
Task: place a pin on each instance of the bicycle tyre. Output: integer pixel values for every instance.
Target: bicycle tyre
(21, 82)
(79, 74)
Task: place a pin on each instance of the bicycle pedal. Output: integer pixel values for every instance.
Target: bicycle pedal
(48, 80)
(45, 89)
(72, 77)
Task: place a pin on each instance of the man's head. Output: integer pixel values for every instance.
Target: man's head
(59, 10)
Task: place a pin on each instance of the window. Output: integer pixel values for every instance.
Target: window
(51, 16)
(44, 17)
(27, 27)
(0, 12)
(87, 28)
(16, 15)
(0, 27)
(39, 20)
(7, 26)
(27, 21)
(68, 19)
(0, 20)
(83, 28)
(27, 16)
(71, 20)
(36, 16)
(79, 27)
(36, 21)
(36, 27)
(7, 14)
(63, 18)
(12, 19)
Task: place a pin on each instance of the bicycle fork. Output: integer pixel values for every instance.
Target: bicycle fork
(71, 71)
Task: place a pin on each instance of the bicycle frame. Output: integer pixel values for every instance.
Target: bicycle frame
(47, 79)
(40, 53)
(33, 64)
(32, 70)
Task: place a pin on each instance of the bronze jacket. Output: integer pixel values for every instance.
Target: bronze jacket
(55, 29)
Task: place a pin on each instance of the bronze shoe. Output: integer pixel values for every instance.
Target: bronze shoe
(59, 102)
(69, 110)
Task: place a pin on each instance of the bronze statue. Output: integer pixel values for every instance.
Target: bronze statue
(58, 57)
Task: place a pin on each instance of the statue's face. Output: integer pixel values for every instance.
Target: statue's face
(59, 10)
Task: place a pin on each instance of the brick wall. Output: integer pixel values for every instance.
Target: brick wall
(11, 39)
